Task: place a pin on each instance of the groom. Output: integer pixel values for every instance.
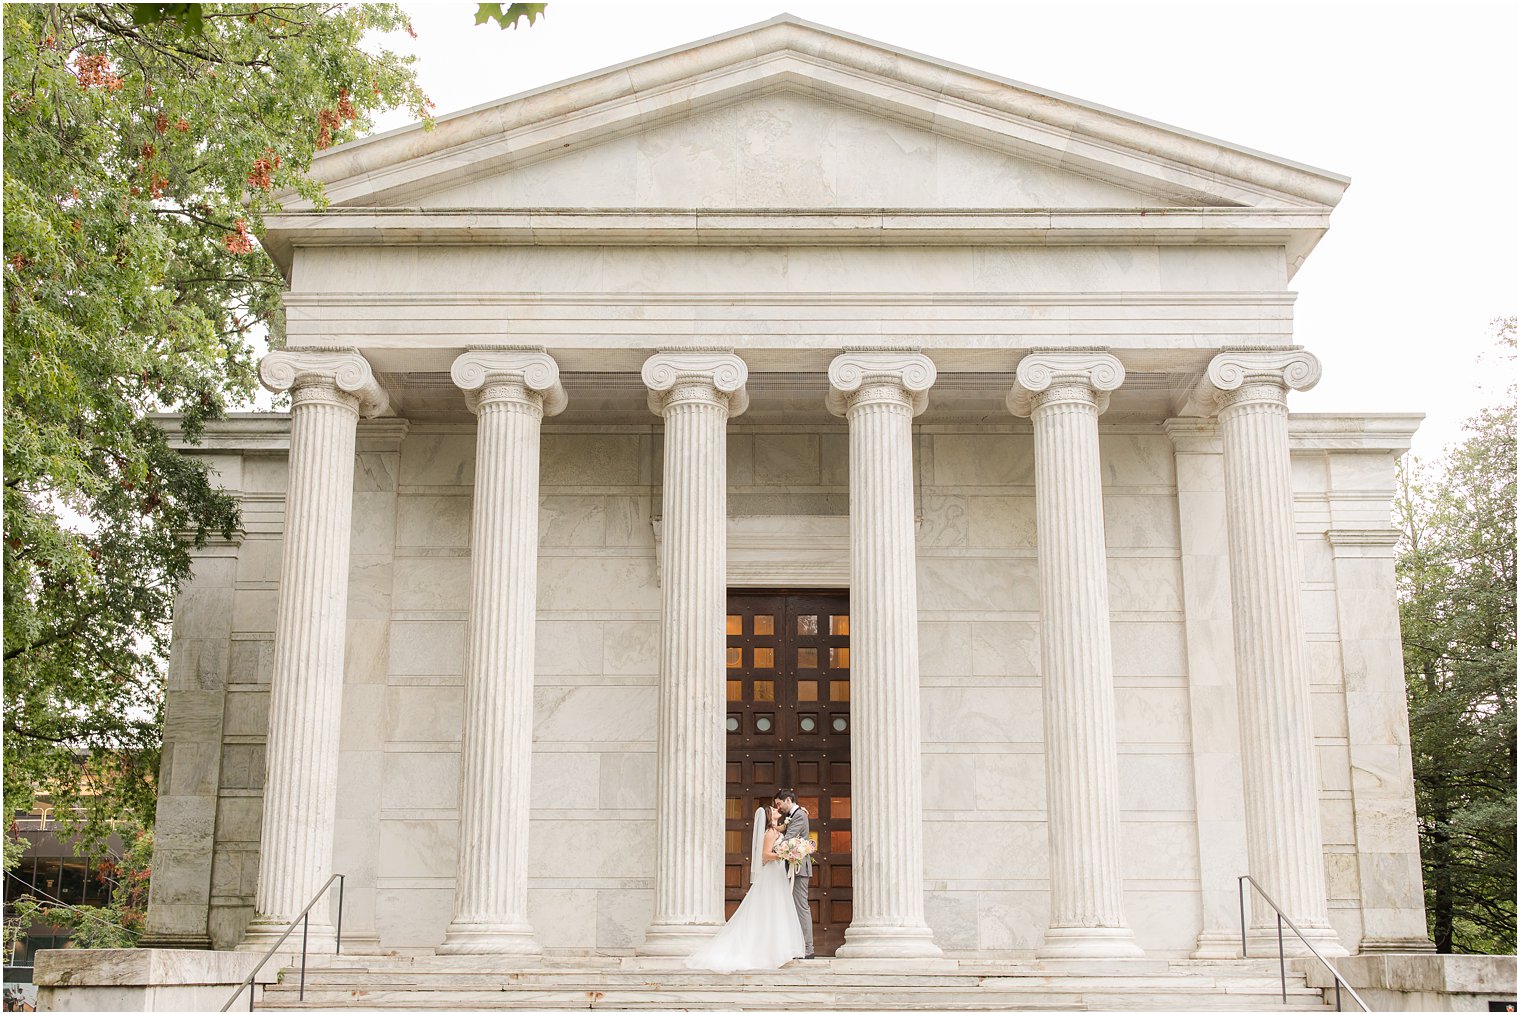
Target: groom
(797, 828)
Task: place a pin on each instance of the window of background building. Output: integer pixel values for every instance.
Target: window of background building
(72, 875)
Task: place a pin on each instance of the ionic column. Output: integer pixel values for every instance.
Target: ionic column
(329, 390)
(1249, 391)
(879, 393)
(1064, 393)
(696, 393)
(510, 392)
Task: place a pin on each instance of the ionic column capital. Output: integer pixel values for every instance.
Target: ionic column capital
(1043, 378)
(340, 376)
(1238, 376)
(859, 377)
(488, 375)
(713, 377)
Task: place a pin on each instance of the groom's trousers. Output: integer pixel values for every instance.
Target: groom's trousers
(804, 913)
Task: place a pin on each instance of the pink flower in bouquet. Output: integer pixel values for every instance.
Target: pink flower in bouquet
(795, 850)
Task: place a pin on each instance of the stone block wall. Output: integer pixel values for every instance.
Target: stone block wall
(985, 793)
(593, 775)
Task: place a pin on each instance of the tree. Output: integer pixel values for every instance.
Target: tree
(139, 161)
(192, 16)
(1457, 574)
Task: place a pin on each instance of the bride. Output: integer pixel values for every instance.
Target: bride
(764, 933)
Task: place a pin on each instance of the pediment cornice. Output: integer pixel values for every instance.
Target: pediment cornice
(1294, 228)
(787, 53)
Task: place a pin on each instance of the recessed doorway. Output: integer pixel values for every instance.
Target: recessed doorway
(788, 724)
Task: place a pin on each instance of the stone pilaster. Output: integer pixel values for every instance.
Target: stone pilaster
(510, 391)
(1064, 393)
(1213, 717)
(1377, 723)
(328, 392)
(366, 672)
(1248, 389)
(879, 393)
(696, 393)
(189, 770)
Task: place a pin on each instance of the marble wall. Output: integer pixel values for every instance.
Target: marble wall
(593, 775)
(983, 740)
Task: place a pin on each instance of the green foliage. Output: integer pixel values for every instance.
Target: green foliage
(15, 848)
(192, 18)
(508, 18)
(117, 925)
(1457, 577)
(139, 162)
(189, 15)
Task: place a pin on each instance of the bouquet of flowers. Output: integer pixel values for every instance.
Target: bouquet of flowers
(795, 850)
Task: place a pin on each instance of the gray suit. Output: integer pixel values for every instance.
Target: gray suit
(797, 828)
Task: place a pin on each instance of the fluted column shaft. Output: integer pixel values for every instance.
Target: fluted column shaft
(879, 395)
(327, 392)
(491, 891)
(1277, 745)
(1282, 792)
(695, 394)
(1064, 393)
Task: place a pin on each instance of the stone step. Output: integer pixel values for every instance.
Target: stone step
(1011, 993)
(591, 981)
(832, 969)
(866, 1000)
(459, 982)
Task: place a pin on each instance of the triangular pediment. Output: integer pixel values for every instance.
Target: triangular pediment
(775, 114)
(785, 149)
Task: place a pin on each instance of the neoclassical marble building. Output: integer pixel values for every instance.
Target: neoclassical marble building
(791, 408)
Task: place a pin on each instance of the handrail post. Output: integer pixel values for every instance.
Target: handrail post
(304, 919)
(306, 923)
(1240, 886)
(1282, 960)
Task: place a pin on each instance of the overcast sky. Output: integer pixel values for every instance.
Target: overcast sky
(1418, 103)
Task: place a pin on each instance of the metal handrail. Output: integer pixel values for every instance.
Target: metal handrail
(1282, 958)
(304, 919)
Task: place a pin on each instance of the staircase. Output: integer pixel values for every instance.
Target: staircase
(480, 982)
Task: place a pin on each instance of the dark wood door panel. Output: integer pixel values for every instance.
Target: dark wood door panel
(788, 724)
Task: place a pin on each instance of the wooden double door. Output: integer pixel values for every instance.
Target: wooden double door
(789, 726)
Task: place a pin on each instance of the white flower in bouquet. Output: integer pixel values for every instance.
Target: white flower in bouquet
(795, 850)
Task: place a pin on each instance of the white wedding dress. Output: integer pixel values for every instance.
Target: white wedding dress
(764, 932)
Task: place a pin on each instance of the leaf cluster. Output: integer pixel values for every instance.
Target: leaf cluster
(140, 159)
(1457, 577)
(120, 923)
(507, 15)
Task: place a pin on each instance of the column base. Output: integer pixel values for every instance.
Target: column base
(676, 938)
(470, 938)
(1394, 945)
(1263, 942)
(263, 932)
(1217, 944)
(888, 943)
(1089, 943)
